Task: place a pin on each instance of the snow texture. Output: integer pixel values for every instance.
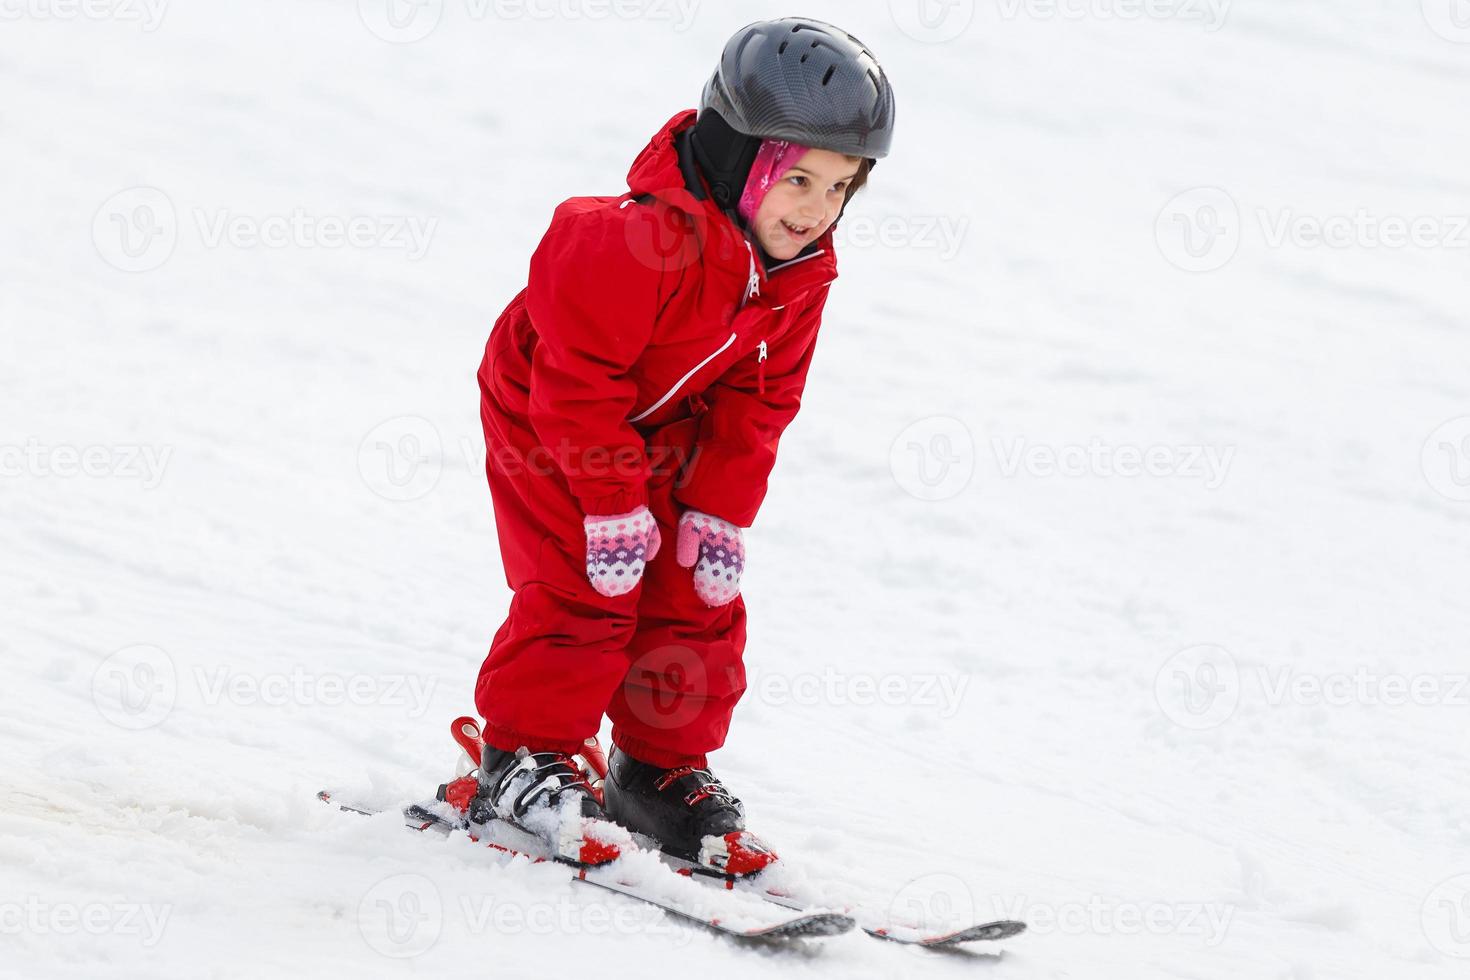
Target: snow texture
(1156, 638)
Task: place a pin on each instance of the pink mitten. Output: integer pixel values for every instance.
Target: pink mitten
(715, 549)
(617, 549)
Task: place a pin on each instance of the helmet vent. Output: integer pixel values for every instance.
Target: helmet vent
(831, 70)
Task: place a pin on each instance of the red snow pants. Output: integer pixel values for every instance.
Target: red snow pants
(661, 664)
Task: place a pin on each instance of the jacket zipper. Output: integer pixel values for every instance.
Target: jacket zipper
(753, 284)
(752, 288)
(680, 383)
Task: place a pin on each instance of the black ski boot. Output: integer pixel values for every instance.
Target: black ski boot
(686, 811)
(546, 794)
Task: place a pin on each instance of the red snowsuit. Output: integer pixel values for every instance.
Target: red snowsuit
(651, 359)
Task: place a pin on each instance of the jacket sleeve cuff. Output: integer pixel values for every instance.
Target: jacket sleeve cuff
(620, 502)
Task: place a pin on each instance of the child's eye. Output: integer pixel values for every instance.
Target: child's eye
(799, 180)
(839, 188)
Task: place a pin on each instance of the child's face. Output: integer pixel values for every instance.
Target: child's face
(808, 196)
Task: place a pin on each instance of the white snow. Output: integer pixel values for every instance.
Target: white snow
(1204, 722)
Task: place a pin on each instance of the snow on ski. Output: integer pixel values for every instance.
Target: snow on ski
(734, 914)
(870, 921)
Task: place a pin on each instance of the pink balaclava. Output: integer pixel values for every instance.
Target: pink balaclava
(774, 158)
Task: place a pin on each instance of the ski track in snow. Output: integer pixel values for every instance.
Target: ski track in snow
(1048, 778)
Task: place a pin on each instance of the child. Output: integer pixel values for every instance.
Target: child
(633, 395)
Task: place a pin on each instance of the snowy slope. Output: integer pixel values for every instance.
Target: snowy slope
(1202, 721)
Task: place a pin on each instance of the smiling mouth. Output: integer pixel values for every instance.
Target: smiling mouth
(797, 231)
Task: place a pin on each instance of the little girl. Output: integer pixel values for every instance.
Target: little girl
(633, 396)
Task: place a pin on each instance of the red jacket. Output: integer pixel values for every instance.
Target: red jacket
(648, 308)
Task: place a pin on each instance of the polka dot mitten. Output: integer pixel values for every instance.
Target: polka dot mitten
(715, 549)
(617, 549)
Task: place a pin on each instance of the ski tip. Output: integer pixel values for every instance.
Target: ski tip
(984, 932)
(814, 924)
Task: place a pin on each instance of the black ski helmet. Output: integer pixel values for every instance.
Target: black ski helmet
(806, 81)
(795, 79)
